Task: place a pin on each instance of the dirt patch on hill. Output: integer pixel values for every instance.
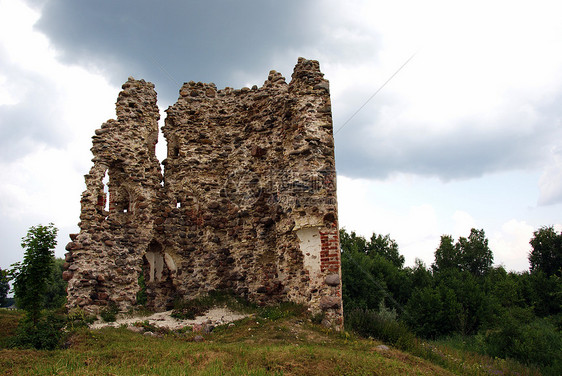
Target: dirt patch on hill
(215, 317)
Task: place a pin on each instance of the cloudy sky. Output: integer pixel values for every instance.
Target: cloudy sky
(468, 133)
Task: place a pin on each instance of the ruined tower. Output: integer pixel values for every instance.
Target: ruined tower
(247, 202)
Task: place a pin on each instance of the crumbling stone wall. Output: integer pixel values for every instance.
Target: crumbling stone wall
(247, 201)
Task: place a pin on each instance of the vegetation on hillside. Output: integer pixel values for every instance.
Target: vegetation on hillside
(39, 290)
(279, 341)
(461, 297)
(461, 315)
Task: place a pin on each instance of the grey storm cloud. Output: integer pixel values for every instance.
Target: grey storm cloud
(463, 151)
(33, 120)
(228, 41)
(171, 42)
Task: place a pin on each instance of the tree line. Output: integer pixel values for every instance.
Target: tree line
(503, 314)
(506, 314)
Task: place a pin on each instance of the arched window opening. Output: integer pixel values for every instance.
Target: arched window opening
(123, 201)
(105, 182)
(155, 261)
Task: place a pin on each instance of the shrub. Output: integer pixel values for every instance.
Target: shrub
(44, 334)
(370, 323)
(537, 343)
(109, 313)
(189, 309)
(77, 318)
(281, 310)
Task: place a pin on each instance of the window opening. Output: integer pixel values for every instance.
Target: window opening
(105, 182)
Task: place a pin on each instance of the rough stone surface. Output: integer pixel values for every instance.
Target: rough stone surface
(330, 302)
(333, 280)
(247, 201)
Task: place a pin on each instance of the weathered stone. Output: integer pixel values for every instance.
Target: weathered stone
(257, 151)
(103, 296)
(248, 205)
(330, 302)
(333, 280)
(136, 329)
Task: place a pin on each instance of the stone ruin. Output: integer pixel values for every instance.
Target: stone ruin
(246, 203)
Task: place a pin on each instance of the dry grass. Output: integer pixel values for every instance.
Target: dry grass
(251, 346)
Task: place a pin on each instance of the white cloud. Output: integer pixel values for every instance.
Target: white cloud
(462, 224)
(511, 245)
(6, 92)
(470, 102)
(44, 182)
(417, 234)
(415, 228)
(550, 183)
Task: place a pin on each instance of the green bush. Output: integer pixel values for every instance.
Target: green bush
(109, 313)
(189, 309)
(281, 310)
(537, 343)
(44, 334)
(77, 318)
(370, 323)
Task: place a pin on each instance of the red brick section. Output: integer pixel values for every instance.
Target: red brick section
(330, 252)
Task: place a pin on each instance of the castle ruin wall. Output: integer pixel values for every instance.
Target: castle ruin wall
(246, 203)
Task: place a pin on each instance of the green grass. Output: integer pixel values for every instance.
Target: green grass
(277, 342)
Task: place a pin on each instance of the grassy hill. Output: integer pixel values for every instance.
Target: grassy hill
(256, 345)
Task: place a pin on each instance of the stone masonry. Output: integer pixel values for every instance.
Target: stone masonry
(247, 202)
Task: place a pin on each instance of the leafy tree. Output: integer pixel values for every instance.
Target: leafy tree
(360, 288)
(546, 255)
(425, 313)
(470, 254)
(476, 256)
(420, 275)
(503, 287)
(55, 294)
(370, 274)
(352, 242)
(446, 255)
(546, 294)
(385, 247)
(30, 277)
(4, 288)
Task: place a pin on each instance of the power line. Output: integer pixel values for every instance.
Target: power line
(376, 92)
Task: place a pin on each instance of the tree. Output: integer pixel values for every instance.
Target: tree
(370, 273)
(470, 254)
(446, 256)
(55, 294)
(4, 287)
(476, 256)
(387, 248)
(30, 277)
(420, 275)
(546, 255)
(351, 242)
